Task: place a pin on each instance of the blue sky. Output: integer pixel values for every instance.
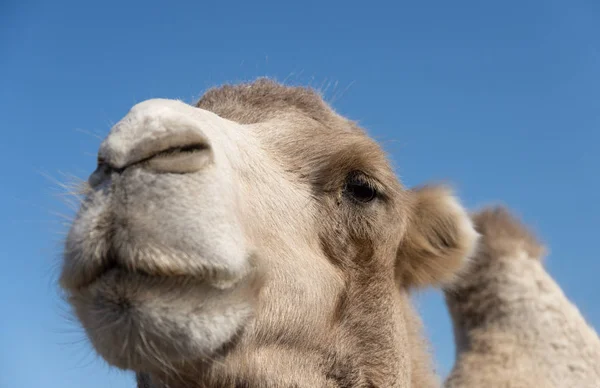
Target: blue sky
(500, 98)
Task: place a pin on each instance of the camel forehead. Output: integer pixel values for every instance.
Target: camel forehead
(264, 99)
(300, 124)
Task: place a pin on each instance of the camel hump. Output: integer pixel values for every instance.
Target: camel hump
(504, 234)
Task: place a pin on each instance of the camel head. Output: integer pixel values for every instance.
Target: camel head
(258, 237)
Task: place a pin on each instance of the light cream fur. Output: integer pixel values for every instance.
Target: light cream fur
(514, 327)
(257, 239)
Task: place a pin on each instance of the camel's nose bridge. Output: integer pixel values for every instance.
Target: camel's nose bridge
(160, 135)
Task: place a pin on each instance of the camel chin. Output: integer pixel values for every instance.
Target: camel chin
(145, 323)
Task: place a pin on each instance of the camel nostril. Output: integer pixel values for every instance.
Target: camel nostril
(197, 147)
(177, 150)
(179, 160)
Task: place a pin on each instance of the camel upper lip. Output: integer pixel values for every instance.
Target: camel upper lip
(111, 263)
(75, 279)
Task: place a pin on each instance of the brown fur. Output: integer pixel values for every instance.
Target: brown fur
(357, 328)
(264, 99)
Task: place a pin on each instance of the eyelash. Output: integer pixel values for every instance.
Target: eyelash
(359, 188)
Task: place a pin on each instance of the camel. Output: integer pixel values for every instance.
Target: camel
(513, 325)
(257, 239)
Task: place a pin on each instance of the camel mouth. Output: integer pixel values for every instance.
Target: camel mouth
(124, 273)
(143, 301)
(152, 265)
(112, 265)
(134, 318)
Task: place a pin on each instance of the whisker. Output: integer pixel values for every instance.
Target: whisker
(94, 135)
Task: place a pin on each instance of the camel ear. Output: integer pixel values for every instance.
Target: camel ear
(439, 239)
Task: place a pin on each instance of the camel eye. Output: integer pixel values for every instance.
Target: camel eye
(360, 189)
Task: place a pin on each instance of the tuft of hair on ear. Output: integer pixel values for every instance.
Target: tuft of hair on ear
(503, 234)
(439, 241)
